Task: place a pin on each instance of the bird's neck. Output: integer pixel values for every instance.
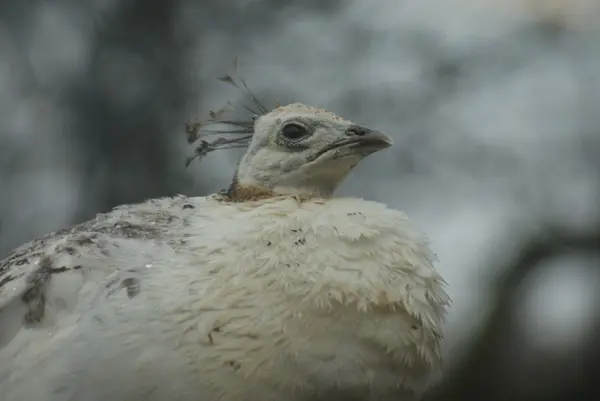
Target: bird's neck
(242, 190)
(241, 193)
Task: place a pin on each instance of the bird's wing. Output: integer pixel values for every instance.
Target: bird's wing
(46, 279)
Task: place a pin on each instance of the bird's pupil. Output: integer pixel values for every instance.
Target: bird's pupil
(293, 131)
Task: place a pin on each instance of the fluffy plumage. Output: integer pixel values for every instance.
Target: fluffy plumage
(273, 290)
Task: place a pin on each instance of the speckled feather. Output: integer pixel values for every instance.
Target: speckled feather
(278, 298)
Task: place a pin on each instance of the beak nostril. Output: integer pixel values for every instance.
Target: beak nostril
(357, 131)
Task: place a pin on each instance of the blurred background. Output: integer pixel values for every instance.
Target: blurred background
(494, 107)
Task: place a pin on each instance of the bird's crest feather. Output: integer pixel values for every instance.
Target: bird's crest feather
(233, 133)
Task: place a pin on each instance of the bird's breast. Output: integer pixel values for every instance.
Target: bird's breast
(329, 292)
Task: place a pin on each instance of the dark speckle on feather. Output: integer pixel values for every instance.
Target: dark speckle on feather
(60, 269)
(299, 242)
(6, 280)
(85, 240)
(235, 365)
(34, 297)
(70, 250)
(127, 280)
(354, 214)
(129, 230)
(132, 286)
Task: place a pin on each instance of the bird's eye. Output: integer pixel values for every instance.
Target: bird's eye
(294, 131)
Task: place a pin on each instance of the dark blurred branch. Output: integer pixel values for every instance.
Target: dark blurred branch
(127, 144)
(478, 375)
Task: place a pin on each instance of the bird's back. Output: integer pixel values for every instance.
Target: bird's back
(50, 285)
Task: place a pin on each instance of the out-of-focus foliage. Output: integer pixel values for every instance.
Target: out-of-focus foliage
(493, 105)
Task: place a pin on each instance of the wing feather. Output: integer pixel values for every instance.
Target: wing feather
(44, 279)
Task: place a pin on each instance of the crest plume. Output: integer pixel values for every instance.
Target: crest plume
(233, 133)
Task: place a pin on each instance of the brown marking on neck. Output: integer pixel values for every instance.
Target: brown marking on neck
(239, 193)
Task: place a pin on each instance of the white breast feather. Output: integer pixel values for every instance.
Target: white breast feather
(342, 291)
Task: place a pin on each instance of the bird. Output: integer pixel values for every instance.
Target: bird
(273, 289)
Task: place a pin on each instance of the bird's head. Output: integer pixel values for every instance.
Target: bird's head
(292, 150)
(301, 150)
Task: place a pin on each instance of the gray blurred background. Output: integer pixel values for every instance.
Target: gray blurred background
(494, 106)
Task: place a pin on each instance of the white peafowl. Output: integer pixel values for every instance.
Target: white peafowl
(273, 290)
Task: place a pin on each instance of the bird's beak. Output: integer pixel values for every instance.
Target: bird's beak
(362, 140)
(369, 139)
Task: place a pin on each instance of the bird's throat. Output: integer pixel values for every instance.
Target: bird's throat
(242, 193)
